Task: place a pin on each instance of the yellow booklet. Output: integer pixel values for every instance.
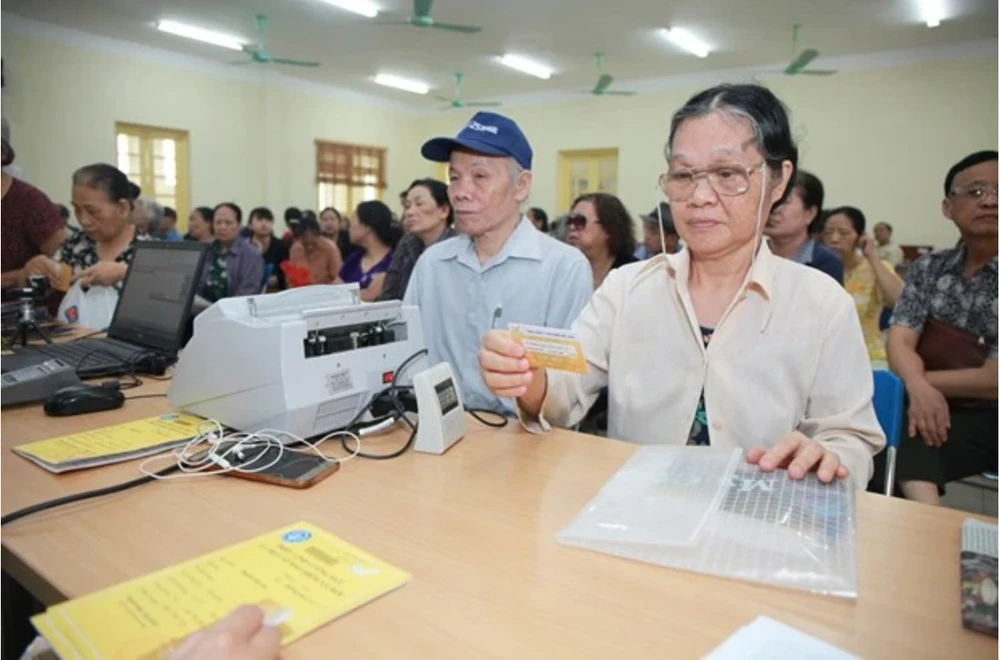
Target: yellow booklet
(302, 576)
(112, 444)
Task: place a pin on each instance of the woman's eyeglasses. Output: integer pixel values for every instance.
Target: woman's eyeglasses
(729, 180)
(576, 221)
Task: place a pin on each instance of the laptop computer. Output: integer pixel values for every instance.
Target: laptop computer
(150, 318)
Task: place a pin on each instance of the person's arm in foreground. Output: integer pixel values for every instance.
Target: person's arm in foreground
(40, 264)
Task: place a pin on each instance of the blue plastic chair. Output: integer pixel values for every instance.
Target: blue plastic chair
(888, 402)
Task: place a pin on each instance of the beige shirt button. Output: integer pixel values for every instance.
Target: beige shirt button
(716, 426)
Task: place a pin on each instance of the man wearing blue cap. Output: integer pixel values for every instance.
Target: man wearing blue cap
(500, 269)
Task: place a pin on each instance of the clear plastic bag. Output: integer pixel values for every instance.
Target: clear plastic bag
(708, 511)
(661, 496)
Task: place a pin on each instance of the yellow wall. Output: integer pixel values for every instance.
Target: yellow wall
(251, 143)
(63, 102)
(880, 140)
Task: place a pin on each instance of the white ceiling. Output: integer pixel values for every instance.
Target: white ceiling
(564, 35)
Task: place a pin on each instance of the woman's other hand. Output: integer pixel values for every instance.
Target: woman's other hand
(799, 455)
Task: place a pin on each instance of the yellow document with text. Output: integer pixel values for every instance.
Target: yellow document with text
(302, 576)
(112, 444)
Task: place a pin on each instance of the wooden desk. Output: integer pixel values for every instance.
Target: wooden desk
(476, 528)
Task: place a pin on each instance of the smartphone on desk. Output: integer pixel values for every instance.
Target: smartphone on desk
(272, 465)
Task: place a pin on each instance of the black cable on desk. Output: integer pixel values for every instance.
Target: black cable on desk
(383, 457)
(394, 389)
(393, 392)
(86, 495)
(499, 423)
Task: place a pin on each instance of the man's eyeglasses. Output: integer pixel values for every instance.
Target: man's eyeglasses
(576, 221)
(976, 192)
(729, 180)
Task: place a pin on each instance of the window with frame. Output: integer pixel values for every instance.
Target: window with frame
(348, 174)
(586, 171)
(156, 159)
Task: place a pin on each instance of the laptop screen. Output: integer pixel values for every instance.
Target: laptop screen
(155, 302)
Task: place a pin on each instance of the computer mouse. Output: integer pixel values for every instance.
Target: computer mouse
(81, 399)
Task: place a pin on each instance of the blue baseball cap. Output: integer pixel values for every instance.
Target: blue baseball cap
(487, 133)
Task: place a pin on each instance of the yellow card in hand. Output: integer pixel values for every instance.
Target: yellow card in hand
(550, 348)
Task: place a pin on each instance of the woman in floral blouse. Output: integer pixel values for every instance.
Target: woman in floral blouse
(101, 253)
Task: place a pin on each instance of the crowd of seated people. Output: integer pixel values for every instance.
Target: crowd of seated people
(732, 239)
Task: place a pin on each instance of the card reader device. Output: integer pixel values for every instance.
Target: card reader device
(439, 402)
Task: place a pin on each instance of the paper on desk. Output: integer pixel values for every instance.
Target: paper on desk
(767, 639)
(302, 576)
(112, 444)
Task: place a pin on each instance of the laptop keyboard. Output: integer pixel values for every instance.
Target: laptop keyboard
(96, 357)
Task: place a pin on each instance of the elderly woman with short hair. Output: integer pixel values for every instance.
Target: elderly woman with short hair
(722, 343)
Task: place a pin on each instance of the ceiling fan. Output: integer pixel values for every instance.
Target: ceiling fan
(801, 60)
(259, 55)
(421, 18)
(604, 80)
(457, 101)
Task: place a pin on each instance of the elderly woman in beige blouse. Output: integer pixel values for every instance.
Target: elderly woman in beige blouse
(723, 343)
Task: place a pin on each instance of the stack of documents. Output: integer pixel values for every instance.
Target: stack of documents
(112, 444)
(302, 577)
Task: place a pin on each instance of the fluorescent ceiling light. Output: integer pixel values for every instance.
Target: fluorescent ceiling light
(404, 84)
(687, 41)
(198, 34)
(931, 11)
(527, 66)
(362, 7)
